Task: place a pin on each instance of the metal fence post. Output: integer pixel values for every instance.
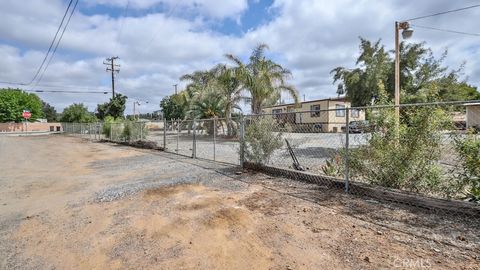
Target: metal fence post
(111, 131)
(194, 146)
(214, 137)
(242, 141)
(178, 134)
(141, 130)
(347, 144)
(164, 134)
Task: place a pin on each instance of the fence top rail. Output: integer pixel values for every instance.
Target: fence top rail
(346, 108)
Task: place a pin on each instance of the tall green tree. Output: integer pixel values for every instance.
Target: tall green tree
(114, 108)
(77, 113)
(264, 79)
(14, 101)
(172, 108)
(422, 76)
(363, 83)
(231, 89)
(49, 112)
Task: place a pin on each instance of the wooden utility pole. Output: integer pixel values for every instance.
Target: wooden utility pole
(112, 67)
(175, 85)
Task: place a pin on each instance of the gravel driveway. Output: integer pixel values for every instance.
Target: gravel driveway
(67, 203)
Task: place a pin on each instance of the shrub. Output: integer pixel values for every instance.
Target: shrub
(133, 130)
(261, 139)
(468, 176)
(334, 166)
(405, 157)
(113, 128)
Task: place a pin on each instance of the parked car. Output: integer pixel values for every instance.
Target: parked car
(359, 126)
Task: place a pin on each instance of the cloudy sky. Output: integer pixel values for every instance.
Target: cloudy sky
(159, 40)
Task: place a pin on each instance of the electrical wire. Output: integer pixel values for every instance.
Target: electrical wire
(66, 91)
(446, 30)
(149, 43)
(120, 31)
(58, 43)
(442, 13)
(63, 86)
(49, 48)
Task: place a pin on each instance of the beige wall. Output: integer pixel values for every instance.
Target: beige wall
(473, 116)
(20, 127)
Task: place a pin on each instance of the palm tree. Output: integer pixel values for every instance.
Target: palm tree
(207, 106)
(263, 78)
(229, 86)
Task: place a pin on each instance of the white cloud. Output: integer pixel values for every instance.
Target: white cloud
(309, 37)
(208, 8)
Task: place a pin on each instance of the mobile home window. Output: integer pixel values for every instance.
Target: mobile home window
(315, 110)
(355, 113)
(340, 110)
(276, 112)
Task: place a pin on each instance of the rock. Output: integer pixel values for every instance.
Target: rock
(461, 238)
(238, 173)
(367, 259)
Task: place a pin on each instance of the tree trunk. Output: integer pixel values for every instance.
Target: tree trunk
(228, 116)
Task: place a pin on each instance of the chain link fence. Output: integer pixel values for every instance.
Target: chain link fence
(425, 155)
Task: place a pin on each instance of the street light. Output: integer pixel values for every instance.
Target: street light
(407, 32)
(138, 103)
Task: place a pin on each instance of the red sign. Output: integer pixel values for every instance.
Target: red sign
(26, 114)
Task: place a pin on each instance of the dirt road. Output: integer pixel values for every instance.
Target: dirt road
(66, 203)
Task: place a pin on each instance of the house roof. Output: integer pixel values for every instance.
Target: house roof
(308, 101)
(472, 104)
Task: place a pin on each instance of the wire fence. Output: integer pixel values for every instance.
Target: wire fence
(425, 155)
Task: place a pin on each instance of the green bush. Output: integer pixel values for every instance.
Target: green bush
(133, 131)
(113, 128)
(468, 176)
(405, 157)
(334, 166)
(262, 139)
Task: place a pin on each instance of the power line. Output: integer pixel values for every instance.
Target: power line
(51, 45)
(66, 91)
(442, 13)
(120, 31)
(58, 86)
(447, 30)
(149, 43)
(58, 42)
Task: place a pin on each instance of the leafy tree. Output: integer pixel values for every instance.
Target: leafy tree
(171, 107)
(77, 113)
(14, 101)
(362, 83)
(49, 112)
(115, 107)
(264, 79)
(422, 76)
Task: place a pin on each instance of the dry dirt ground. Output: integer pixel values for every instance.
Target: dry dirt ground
(66, 203)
